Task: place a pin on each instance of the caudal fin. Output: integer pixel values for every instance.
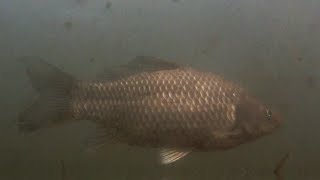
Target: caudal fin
(53, 104)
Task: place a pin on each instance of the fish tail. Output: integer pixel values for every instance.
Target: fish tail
(54, 86)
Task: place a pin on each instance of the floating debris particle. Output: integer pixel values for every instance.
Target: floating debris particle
(313, 27)
(92, 60)
(204, 51)
(299, 59)
(278, 170)
(63, 170)
(68, 25)
(311, 82)
(82, 2)
(212, 44)
(108, 4)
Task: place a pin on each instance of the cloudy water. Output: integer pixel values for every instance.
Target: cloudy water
(271, 48)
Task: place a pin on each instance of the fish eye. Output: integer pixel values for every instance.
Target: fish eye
(269, 114)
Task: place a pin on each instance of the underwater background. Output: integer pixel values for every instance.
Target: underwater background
(271, 47)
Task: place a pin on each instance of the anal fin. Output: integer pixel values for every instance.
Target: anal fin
(168, 156)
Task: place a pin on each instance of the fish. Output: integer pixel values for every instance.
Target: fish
(149, 102)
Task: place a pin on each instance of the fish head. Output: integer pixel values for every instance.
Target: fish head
(255, 119)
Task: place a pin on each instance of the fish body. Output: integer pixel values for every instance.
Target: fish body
(171, 108)
(151, 103)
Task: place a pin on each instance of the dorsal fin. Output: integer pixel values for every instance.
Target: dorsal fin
(151, 63)
(138, 65)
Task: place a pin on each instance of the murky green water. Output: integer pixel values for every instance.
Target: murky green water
(271, 47)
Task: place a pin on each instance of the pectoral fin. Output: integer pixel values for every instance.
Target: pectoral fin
(168, 156)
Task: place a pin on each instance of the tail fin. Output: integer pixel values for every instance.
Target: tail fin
(53, 105)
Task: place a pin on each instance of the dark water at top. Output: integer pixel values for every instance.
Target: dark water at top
(271, 47)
